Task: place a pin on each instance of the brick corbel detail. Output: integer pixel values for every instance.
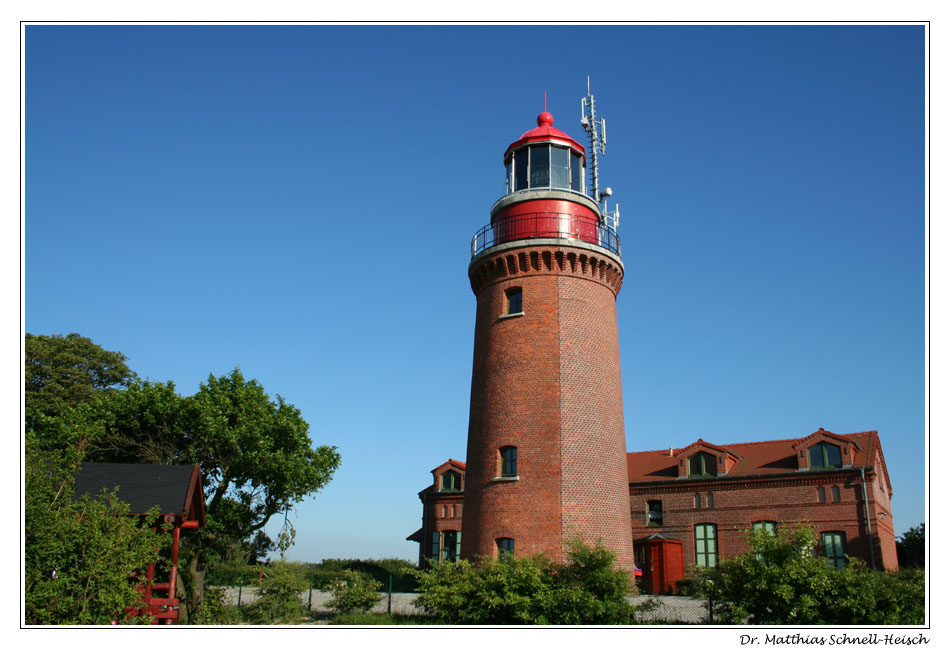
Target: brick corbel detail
(542, 260)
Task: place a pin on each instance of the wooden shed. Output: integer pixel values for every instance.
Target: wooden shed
(176, 491)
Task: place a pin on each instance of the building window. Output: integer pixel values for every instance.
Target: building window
(451, 481)
(821, 495)
(654, 513)
(509, 461)
(833, 547)
(455, 512)
(823, 455)
(702, 464)
(709, 500)
(770, 527)
(835, 493)
(513, 301)
(697, 500)
(434, 553)
(506, 548)
(445, 511)
(451, 545)
(706, 545)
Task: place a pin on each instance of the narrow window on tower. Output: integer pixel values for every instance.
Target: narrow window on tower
(709, 500)
(835, 493)
(506, 548)
(509, 462)
(560, 167)
(521, 170)
(577, 176)
(540, 166)
(513, 301)
(821, 495)
(654, 513)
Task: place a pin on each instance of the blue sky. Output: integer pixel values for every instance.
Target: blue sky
(299, 201)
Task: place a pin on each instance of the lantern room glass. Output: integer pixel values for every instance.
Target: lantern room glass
(544, 165)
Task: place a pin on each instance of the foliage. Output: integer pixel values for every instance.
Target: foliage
(781, 581)
(255, 454)
(279, 600)
(911, 548)
(529, 591)
(354, 593)
(80, 554)
(62, 372)
(402, 571)
(214, 610)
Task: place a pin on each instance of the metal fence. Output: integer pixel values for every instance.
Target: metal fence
(545, 225)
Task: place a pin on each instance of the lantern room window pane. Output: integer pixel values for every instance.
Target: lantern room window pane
(508, 179)
(521, 169)
(577, 175)
(540, 166)
(560, 167)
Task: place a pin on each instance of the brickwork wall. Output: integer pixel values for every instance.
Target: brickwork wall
(548, 383)
(737, 503)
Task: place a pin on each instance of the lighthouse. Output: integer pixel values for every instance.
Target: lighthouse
(546, 457)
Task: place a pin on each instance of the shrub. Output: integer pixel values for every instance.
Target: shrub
(279, 600)
(81, 555)
(781, 582)
(355, 593)
(213, 610)
(529, 591)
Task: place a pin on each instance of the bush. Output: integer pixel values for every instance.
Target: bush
(81, 556)
(213, 610)
(355, 593)
(279, 600)
(529, 591)
(781, 582)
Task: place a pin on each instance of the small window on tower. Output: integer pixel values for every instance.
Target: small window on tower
(509, 461)
(506, 548)
(513, 301)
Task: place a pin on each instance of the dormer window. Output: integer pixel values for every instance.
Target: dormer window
(545, 165)
(702, 464)
(451, 482)
(824, 455)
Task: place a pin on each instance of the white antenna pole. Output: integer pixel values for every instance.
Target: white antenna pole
(597, 131)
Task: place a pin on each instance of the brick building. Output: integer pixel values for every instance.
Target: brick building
(692, 506)
(547, 460)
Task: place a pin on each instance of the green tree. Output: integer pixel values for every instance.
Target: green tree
(529, 591)
(911, 548)
(80, 555)
(255, 454)
(61, 372)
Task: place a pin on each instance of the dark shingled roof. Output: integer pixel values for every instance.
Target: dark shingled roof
(141, 486)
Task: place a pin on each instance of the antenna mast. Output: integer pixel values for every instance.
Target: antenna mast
(597, 131)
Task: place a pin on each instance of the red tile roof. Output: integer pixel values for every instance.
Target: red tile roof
(766, 457)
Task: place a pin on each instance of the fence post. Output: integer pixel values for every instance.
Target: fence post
(310, 593)
(389, 604)
(240, 587)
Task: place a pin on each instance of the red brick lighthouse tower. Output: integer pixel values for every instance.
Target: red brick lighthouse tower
(546, 460)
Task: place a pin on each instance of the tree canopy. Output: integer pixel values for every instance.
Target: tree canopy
(256, 456)
(61, 372)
